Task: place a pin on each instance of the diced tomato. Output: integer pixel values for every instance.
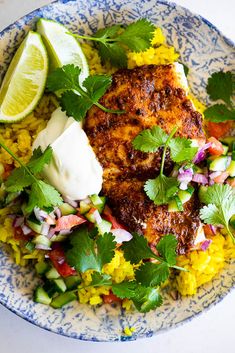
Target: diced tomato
(221, 178)
(216, 148)
(57, 257)
(231, 182)
(107, 214)
(219, 129)
(111, 298)
(207, 230)
(68, 222)
(19, 235)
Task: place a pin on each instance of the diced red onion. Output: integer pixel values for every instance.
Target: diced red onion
(45, 229)
(211, 182)
(213, 229)
(40, 214)
(200, 178)
(185, 176)
(50, 220)
(65, 232)
(42, 247)
(51, 233)
(201, 155)
(25, 229)
(121, 235)
(18, 221)
(214, 175)
(97, 217)
(205, 244)
(71, 202)
(58, 212)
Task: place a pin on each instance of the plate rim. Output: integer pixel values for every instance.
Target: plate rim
(147, 334)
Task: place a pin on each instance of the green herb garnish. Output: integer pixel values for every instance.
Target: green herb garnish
(163, 188)
(220, 201)
(112, 42)
(90, 254)
(76, 99)
(25, 178)
(221, 86)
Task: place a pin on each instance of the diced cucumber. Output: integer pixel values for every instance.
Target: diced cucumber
(63, 299)
(41, 296)
(104, 227)
(202, 191)
(50, 288)
(84, 207)
(43, 240)
(184, 196)
(67, 209)
(90, 215)
(228, 141)
(98, 202)
(30, 246)
(172, 206)
(175, 205)
(52, 274)
(42, 267)
(232, 221)
(231, 169)
(11, 196)
(226, 148)
(60, 285)
(35, 226)
(72, 281)
(219, 164)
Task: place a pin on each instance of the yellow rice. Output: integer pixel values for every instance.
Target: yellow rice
(202, 266)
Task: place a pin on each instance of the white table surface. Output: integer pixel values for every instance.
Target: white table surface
(213, 331)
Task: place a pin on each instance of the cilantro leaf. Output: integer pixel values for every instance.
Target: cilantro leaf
(219, 113)
(113, 53)
(113, 41)
(152, 274)
(74, 105)
(167, 248)
(18, 180)
(64, 78)
(137, 249)
(39, 159)
(221, 85)
(221, 206)
(144, 299)
(181, 149)
(161, 189)
(147, 299)
(77, 100)
(88, 254)
(97, 85)
(42, 195)
(150, 140)
(138, 35)
(124, 289)
(99, 279)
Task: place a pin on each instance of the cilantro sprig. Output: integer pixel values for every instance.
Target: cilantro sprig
(221, 86)
(76, 100)
(89, 252)
(162, 189)
(113, 41)
(220, 201)
(25, 178)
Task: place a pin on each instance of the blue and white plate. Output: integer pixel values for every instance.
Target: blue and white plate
(205, 50)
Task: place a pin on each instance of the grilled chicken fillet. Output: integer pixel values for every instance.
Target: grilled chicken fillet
(150, 95)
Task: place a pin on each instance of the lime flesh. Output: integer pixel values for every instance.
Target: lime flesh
(62, 48)
(25, 80)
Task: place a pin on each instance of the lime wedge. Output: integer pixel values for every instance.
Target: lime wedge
(62, 48)
(25, 80)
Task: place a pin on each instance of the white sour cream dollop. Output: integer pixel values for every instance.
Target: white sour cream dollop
(74, 170)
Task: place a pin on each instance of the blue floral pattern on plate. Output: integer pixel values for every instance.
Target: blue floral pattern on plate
(205, 50)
